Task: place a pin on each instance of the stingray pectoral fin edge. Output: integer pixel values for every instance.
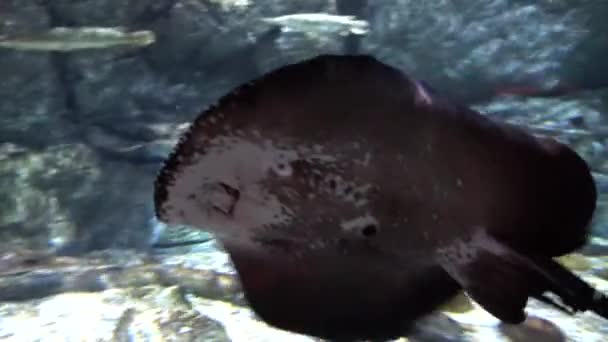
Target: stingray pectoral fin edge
(501, 280)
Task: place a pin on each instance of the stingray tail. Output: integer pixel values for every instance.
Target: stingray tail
(575, 294)
(501, 279)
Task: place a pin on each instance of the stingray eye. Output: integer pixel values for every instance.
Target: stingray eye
(283, 169)
(369, 230)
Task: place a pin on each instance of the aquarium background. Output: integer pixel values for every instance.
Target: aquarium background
(83, 133)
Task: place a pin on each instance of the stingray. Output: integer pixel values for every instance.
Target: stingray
(354, 199)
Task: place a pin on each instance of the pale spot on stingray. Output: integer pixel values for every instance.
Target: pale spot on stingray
(422, 96)
(459, 182)
(356, 224)
(240, 164)
(361, 203)
(317, 244)
(458, 252)
(356, 194)
(366, 159)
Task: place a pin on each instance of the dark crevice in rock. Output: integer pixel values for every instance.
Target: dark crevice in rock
(60, 66)
(153, 13)
(73, 113)
(31, 142)
(357, 8)
(214, 13)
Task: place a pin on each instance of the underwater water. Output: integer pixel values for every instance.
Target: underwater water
(95, 95)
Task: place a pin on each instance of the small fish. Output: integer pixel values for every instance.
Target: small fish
(354, 199)
(314, 22)
(78, 38)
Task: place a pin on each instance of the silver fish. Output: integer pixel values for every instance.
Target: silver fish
(78, 38)
(320, 22)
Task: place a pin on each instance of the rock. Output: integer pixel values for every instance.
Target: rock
(32, 99)
(113, 315)
(533, 329)
(575, 262)
(459, 304)
(134, 294)
(32, 275)
(596, 246)
(241, 323)
(471, 49)
(437, 327)
(43, 191)
(602, 269)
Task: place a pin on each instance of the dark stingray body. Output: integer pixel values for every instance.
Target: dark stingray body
(353, 201)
